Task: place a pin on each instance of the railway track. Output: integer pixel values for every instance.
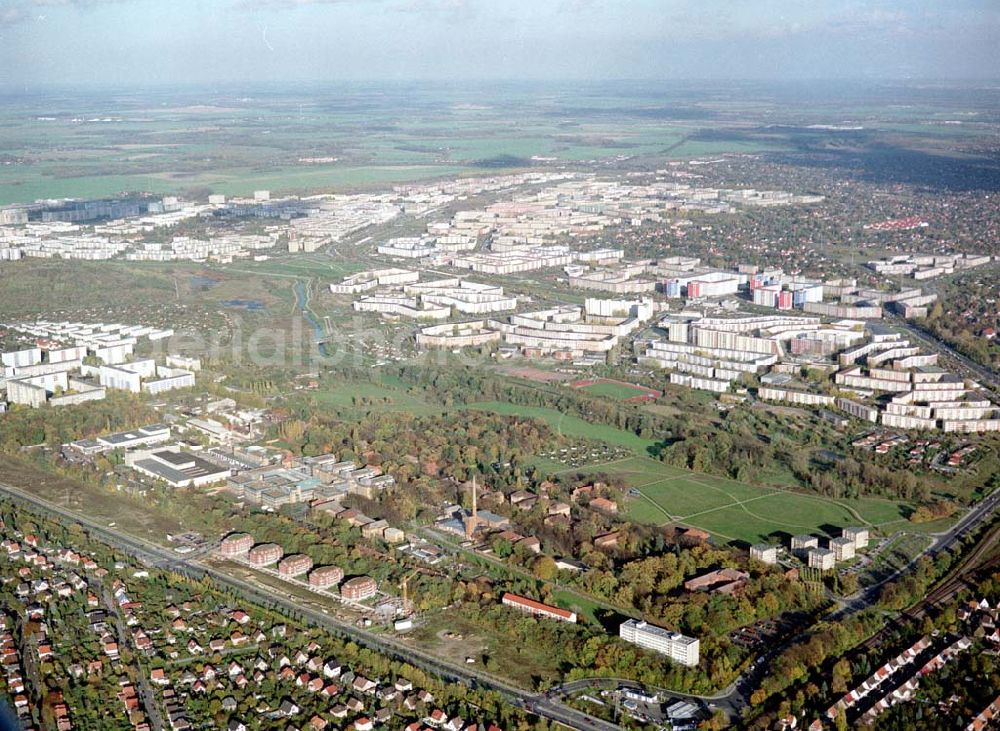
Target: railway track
(949, 588)
(946, 590)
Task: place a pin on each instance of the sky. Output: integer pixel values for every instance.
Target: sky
(149, 42)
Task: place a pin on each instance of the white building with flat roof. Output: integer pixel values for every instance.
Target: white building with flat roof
(21, 358)
(764, 553)
(843, 548)
(858, 535)
(674, 645)
(821, 558)
(802, 544)
(144, 436)
(167, 379)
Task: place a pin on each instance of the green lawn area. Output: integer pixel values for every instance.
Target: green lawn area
(638, 471)
(617, 391)
(734, 510)
(585, 608)
(548, 466)
(738, 511)
(569, 425)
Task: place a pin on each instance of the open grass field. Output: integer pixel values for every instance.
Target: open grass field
(896, 554)
(455, 636)
(730, 510)
(575, 603)
(325, 268)
(733, 510)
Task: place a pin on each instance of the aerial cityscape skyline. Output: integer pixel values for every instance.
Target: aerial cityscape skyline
(454, 365)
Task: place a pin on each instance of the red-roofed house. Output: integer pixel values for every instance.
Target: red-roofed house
(530, 606)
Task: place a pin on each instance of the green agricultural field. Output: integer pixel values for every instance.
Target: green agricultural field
(548, 466)
(617, 391)
(639, 471)
(700, 148)
(569, 425)
(324, 139)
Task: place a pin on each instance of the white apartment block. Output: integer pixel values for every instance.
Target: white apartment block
(858, 535)
(801, 544)
(22, 358)
(699, 383)
(674, 645)
(407, 247)
(616, 282)
(858, 411)
(821, 558)
(843, 548)
(764, 553)
(766, 393)
(457, 335)
(34, 391)
(410, 307)
(368, 280)
(168, 379)
(127, 376)
(180, 361)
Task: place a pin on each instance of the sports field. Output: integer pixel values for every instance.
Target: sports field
(732, 510)
(613, 390)
(618, 390)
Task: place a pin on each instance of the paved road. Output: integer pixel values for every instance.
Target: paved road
(727, 700)
(986, 376)
(125, 640)
(980, 513)
(154, 555)
(29, 661)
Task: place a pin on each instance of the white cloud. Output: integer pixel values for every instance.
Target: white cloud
(13, 12)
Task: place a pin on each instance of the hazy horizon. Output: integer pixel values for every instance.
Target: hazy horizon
(143, 42)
